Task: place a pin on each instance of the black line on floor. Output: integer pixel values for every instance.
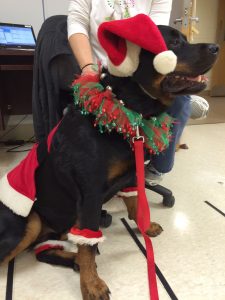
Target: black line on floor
(9, 285)
(216, 209)
(161, 277)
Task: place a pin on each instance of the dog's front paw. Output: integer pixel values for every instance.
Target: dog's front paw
(95, 289)
(154, 229)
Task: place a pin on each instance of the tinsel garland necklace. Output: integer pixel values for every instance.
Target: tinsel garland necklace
(111, 114)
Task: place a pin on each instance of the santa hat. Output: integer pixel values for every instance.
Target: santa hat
(123, 39)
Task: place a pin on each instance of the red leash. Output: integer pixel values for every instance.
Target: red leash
(143, 214)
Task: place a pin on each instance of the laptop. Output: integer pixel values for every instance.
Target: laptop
(17, 37)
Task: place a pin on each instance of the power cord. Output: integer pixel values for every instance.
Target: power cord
(17, 143)
(11, 129)
(11, 150)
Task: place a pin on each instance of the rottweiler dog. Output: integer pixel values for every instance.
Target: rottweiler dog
(85, 168)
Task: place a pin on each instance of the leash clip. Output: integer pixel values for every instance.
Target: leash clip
(138, 136)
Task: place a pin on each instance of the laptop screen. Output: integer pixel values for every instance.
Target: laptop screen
(17, 36)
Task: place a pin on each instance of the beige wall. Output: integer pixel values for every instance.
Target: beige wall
(207, 12)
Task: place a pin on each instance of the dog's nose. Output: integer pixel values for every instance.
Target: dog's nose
(213, 48)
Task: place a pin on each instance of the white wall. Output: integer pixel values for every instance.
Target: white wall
(55, 7)
(31, 12)
(28, 12)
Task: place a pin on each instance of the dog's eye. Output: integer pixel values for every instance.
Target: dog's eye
(175, 43)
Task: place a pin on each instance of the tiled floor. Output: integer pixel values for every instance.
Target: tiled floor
(190, 252)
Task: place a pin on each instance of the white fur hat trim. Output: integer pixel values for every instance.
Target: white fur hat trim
(130, 63)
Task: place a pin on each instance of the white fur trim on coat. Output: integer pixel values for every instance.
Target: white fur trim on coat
(66, 245)
(81, 240)
(127, 194)
(18, 203)
(130, 63)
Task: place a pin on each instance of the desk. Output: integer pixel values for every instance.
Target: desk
(16, 76)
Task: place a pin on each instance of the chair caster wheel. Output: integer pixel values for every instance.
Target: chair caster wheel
(106, 219)
(168, 201)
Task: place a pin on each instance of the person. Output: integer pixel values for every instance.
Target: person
(84, 17)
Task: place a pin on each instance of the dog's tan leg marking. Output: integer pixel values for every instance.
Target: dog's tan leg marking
(131, 204)
(33, 229)
(117, 168)
(92, 287)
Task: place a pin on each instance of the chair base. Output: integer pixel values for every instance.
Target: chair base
(168, 198)
(168, 201)
(106, 219)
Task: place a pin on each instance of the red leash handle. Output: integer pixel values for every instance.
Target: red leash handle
(143, 216)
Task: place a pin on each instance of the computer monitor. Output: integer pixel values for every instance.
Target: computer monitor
(16, 36)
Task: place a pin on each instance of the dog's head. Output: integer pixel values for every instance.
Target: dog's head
(193, 61)
(138, 56)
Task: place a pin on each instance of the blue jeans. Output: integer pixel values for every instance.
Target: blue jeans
(180, 110)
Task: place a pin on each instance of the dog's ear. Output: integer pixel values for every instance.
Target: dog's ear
(145, 72)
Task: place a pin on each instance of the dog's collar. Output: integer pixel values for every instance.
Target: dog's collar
(104, 75)
(111, 114)
(146, 92)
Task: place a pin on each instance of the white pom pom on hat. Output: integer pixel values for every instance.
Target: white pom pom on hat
(165, 62)
(123, 39)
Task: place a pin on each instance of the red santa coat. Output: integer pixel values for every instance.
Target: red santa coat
(17, 188)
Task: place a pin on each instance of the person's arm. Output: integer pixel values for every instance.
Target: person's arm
(78, 32)
(160, 11)
(81, 48)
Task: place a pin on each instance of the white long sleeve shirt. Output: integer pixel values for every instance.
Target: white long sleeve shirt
(84, 16)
